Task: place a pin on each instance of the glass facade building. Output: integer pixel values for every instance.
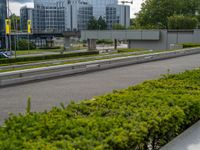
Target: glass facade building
(118, 14)
(3, 15)
(99, 6)
(56, 16)
(25, 15)
(77, 15)
(84, 15)
(46, 16)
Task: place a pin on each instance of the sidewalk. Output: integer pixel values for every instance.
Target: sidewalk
(188, 140)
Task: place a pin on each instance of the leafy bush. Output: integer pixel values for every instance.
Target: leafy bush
(46, 57)
(118, 27)
(125, 50)
(55, 47)
(142, 117)
(104, 42)
(23, 45)
(182, 22)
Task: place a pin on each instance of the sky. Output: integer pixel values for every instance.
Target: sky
(15, 6)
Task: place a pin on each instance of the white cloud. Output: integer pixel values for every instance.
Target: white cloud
(15, 7)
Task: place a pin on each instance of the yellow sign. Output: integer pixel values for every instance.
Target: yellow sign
(29, 26)
(8, 26)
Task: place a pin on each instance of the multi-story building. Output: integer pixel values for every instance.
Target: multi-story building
(99, 6)
(3, 15)
(46, 16)
(77, 15)
(56, 16)
(118, 14)
(25, 15)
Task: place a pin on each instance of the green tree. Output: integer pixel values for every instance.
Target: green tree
(92, 24)
(102, 25)
(182, 22)
(95, 24)
(155, 13)
(15, 22)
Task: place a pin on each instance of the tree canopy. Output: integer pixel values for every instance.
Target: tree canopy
(95, 24)
(15, 22)
(155, 13)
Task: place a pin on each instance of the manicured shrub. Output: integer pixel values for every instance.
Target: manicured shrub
(47, 48)
(118, 27)
(142, 117)
(188, 45)
(104, 41)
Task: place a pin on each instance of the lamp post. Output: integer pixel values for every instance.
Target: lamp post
(8, 28)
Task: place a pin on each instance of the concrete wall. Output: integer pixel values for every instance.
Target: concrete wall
(167, 38)
(121, 34)
(147, 39)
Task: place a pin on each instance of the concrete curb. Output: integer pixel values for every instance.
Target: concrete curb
(22, 76)
(188, 140)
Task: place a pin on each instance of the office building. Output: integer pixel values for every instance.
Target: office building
(25, 15)
(3, 15)
(118, 14)
(56, 16)
(99, 6)
(77, 15)
(46, 16)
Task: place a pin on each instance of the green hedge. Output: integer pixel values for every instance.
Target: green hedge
(104, 42)
(188, 45)
(46, 57)
(141, 117)
(48, 48)
(126, 50)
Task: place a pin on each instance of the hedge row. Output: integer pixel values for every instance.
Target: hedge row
(188, 45)
(46, 57)
(142, 117)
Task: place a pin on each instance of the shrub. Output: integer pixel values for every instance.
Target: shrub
(104, 41)
(118, 27)
(23, 45)
(182, 22)
(141, 117)
(125, 50)
(188, 45)
(46, 57)
(47, 48)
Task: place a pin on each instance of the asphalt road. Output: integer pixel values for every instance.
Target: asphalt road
(46, 94)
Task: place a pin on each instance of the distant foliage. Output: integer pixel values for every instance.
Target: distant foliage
(23, 45)
(95, 24)
(154, 13)
(142, 117)
(118, 27)
(182, 22)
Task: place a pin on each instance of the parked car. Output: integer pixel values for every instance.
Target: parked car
(3, 55)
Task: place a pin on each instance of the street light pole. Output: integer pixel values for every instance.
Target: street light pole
(8, 36)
